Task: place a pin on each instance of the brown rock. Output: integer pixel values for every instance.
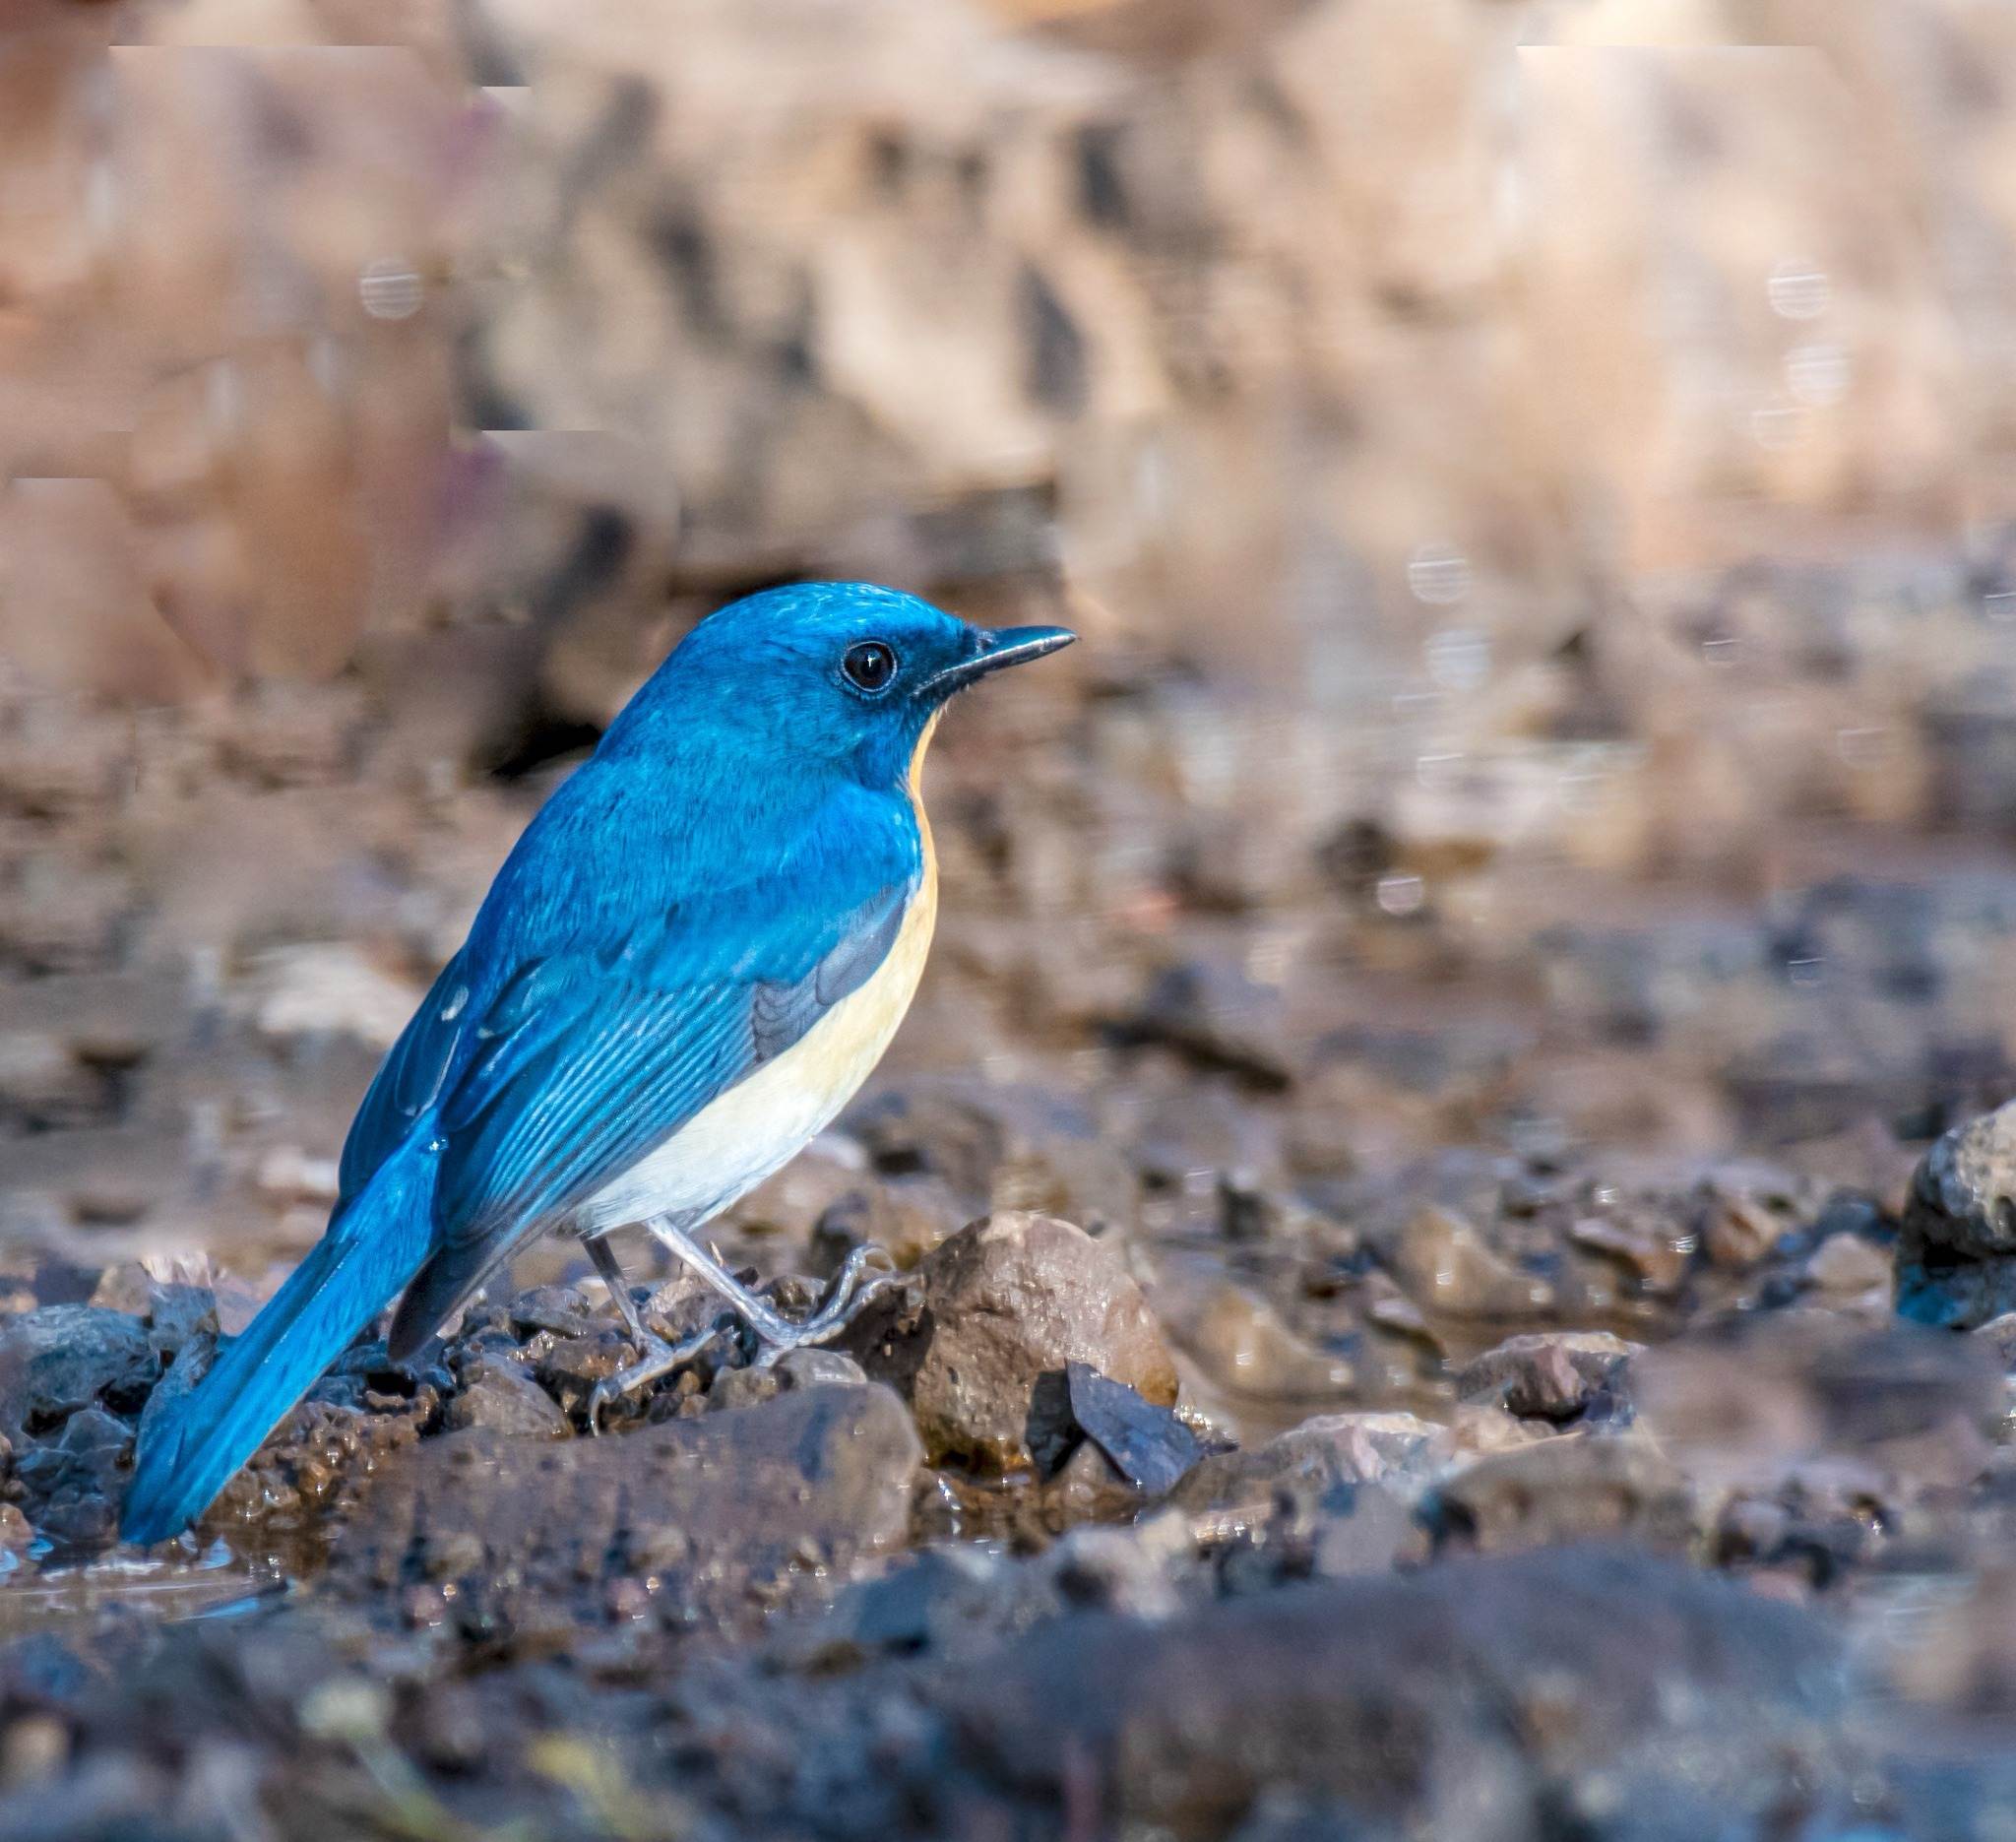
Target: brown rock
(1654, 1247)
(502, 1395)
(1571, 1489)
(1446, 1265)
(1739, 1230)
(1004, 1301)
(1397, 1450)
(1852, 1273)
(1243, 1345)
(905, 1217)
(731, 1503)
(1555, 1374)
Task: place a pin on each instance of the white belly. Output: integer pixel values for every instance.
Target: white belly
(730, 1146)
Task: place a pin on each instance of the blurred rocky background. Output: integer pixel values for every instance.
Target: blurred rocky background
(1485, 937)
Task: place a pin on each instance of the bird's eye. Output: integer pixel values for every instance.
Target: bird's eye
(869, 666)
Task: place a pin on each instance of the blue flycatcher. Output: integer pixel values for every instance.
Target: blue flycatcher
(693, 958)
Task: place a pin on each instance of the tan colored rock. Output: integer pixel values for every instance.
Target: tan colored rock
(1445, 1265)
(1006, 1299)
(1244, 1347)
(1400, 1451)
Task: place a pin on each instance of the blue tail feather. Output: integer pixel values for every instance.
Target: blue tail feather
(353, 1273)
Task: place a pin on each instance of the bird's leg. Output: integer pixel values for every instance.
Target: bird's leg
(655, 1357)
(611, 1271)
(774, 1330)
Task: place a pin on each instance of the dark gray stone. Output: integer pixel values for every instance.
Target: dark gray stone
(65, 1357)
(1145, 1442)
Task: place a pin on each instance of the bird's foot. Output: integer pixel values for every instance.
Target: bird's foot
(851, 1289)
(658, 1359)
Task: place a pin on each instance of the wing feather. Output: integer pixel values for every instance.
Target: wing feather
(582, 1066)
(409, 1081)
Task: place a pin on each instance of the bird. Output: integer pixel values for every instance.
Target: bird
(691, 960)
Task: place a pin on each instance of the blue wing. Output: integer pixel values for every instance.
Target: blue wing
(583, 1062)
(409, 1081)
(585, 1067)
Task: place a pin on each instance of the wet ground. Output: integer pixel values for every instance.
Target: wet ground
(1400, 1330)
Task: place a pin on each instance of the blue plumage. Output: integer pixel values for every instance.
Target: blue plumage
(732, 865)
(371, 1249)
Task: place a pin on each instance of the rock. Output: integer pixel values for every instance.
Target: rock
(1004, 1148)
(944, 1598)
(501, 1395)
(1244, 1346)
(1999, 1335)
(61, 1357)
(813, 1367)
(562, 1309)
(186, 1368)
(1480, 1429)
(571, 1367)
(1653, 1243)
(1741, 1229)
(727, 1509)
(806, 1368)
(1463, 1702)
(683, 1304)
(76, 1483)
(313, 1461)
(905, 1217)
(1088, 1488)
(1445, 1265)
(1360, 1528)
(177, 1312)
(172, 1310)
(1145, 1443)
(1397, 1450)
(1956, 1254)
(1215, 1013)
(1851, 1274)
(744, 1387)
(1575, 1489)
(1005, 1301)
(1746, 1403)
(1556, 1374)
(1110, 1569)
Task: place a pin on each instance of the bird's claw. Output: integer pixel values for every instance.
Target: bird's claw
(659, 1357)
(776, 1335)
(846, 1298)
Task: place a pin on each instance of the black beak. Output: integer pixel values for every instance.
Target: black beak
(1000, 647)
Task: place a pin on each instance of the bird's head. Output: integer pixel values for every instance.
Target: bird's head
(842, 672)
